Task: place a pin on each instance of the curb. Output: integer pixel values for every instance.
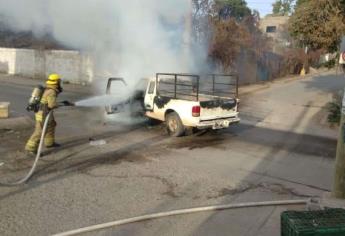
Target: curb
(327, 201)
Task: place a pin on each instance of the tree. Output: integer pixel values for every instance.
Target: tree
(277, 7)
(229, 28)
(342, 5)
(300, 2)
(202, 11)
(318, 24)
(207, 12)
(237, 9)
(282, 7)
(227, 41)
(231, 38)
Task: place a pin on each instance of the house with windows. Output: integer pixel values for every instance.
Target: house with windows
(276, 28)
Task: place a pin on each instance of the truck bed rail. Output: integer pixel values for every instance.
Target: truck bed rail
(175, 85)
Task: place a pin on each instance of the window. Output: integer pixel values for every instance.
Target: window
(271, 29)
(151, 88)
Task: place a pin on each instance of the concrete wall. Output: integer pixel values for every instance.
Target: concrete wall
(71, 65)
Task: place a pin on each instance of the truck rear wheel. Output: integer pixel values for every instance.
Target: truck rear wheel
(174, 125)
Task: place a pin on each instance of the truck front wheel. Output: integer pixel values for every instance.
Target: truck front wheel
(174, 125)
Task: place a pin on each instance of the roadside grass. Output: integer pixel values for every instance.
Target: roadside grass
(334, 108)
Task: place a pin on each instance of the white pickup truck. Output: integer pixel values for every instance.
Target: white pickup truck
(184, 101)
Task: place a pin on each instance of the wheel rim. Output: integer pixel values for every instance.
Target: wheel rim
(172, 125)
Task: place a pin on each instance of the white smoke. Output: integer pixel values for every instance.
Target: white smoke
(129, 38)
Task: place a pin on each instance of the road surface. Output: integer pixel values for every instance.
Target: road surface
(283, 149)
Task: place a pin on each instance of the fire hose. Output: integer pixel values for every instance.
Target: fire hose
(38, 156)
(149, 216)
(181, 212)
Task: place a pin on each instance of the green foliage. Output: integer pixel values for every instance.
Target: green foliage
(282, 7)
(342, 3)
(334, 108)
(300, 2)
(237, 9)
(334, 112)
(342, 6)
(276, 7)
(330, 64)
(318, 24)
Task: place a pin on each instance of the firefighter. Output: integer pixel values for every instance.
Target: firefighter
(48, 102)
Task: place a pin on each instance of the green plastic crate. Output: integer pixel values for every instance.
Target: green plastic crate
(329, 222)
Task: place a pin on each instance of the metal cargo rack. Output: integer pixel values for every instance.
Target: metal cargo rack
(233, 84)
(180, 84)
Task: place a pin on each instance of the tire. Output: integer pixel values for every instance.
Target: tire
(174, 125)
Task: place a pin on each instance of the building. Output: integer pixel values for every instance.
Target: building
(275, 27)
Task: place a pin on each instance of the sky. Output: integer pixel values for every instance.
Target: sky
(263, 6)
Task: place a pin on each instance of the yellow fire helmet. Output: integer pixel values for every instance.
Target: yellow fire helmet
(53, 79)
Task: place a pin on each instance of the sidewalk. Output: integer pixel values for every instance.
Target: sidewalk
(327, 201)
(245, 90)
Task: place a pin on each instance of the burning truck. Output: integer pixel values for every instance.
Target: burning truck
(182, 101)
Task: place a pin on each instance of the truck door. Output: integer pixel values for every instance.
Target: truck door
(150, 95)
(113, 86)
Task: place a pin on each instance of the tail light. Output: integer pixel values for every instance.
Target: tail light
(196, 111)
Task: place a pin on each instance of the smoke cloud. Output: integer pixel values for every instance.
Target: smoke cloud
(132, 38)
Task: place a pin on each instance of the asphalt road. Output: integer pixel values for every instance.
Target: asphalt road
(283, 149)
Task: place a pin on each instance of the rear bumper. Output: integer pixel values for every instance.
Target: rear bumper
(218, 123)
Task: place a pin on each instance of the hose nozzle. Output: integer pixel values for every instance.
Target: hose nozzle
(67, 104)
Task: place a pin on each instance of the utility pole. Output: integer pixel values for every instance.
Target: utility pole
(187, 34)
(188, 23)
(339, 175)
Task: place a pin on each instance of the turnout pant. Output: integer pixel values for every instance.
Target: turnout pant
(49, 138)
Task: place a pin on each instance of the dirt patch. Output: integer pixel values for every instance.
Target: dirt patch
(136, 157)
(271, 187)
(13, 140)
(170, 186)
(111, 158)
(321, 118)
(195, 142)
